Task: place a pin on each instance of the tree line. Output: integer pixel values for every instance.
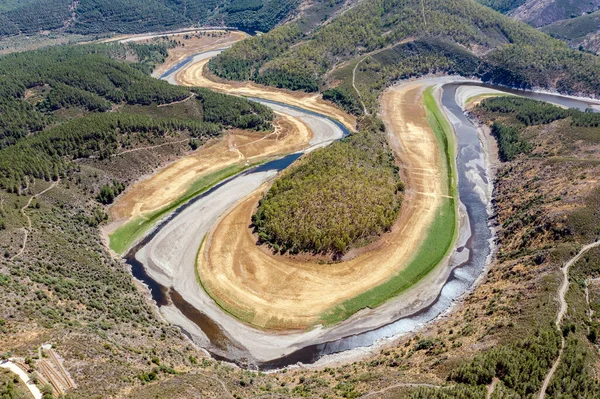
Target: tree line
(518, 113)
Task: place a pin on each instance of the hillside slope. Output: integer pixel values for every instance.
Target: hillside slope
(543, 12)
(134, 16)
(576, 22)
(137, 16)
(583, 31)
(500, 49)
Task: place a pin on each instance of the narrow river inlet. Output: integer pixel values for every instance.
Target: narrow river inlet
(161, 260)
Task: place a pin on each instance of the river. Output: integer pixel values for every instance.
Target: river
(162, 262)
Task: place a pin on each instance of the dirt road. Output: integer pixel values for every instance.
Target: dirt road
(562, 310)
(33, 389)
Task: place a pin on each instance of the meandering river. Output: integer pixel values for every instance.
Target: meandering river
(163, 261)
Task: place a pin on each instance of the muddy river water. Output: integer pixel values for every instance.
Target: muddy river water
(162, 263)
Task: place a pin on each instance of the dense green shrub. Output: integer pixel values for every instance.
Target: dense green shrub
(333, 198)
(521, 366)
(510, 143)
(575, 376)
(109, 192)
(344, 99)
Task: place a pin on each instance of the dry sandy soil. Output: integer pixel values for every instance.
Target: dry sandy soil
(237, 147)
(279, 292)
(198, 75)
(195, 43)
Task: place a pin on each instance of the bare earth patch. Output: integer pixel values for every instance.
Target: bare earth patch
(168, 184)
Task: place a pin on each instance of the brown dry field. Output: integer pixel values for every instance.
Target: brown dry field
(199, 75)
(278, 292)
(196, 44)
(165, 186)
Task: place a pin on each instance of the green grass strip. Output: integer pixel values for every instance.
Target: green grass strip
(126, 235)
(440, 237)
(483, 96)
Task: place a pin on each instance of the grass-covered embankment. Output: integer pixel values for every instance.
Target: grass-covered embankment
(126, 235)
(440, 236)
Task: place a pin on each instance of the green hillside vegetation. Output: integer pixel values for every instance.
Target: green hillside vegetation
(244, 59)
(575, 31)
(574, 28)
(415, 59)
(133, 16)
(502, 6)
(46, 155)
(517, 113)
(32, 16)
(335, 197)
(38, 143)
(34, 84)
(518, 54)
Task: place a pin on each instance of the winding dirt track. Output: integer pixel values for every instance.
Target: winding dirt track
(562, 310)
(282, 293)
(26, 229)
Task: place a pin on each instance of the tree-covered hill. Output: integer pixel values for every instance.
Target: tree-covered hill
(527, 58)
(576, 22)
(334, 198)
(35, 84)
(54, 105)
(133, 16)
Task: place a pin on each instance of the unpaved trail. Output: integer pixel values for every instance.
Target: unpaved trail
(562, 310)
(355, 88)
(150, 147)
(26, 229)
(284, 293)
(491, 388)
(403, 385)
(33, 389)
